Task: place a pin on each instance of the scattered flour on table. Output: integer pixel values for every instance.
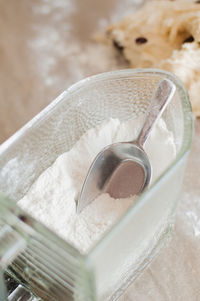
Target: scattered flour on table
(52, 198)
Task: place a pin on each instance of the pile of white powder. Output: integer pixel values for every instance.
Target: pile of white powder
(52, 198)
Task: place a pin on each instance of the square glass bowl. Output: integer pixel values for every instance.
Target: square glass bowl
(44, 263)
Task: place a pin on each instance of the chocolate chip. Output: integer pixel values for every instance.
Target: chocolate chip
(189, 40)
(118, 46)
(198, 1)
(23, 218)
(140, 40)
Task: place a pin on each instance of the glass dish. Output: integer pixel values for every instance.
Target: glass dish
(35, 256)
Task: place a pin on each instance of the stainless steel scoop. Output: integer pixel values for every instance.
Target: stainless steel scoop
(123, 169)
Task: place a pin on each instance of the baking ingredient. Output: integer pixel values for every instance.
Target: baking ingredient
(185, 63)
(166, 35)
(52, 198)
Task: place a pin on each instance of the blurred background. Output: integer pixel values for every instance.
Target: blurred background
(45, 46)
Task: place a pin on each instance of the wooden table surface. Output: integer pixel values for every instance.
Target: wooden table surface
(44, 47)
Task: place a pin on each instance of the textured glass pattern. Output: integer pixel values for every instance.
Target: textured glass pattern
(58, 127)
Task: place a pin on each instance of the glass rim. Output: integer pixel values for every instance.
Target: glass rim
(187, 139)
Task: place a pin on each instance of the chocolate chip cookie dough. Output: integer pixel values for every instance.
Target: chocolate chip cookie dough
(166, 35)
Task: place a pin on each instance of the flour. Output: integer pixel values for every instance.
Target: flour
(52, 198)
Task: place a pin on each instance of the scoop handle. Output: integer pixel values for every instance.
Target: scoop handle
(161, 97)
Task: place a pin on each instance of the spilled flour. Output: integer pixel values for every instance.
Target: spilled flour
(52, 198)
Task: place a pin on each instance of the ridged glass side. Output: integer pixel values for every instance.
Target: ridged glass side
(48, 266)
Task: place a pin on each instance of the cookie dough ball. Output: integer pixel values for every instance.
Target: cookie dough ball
(185, 63)
(163, 34)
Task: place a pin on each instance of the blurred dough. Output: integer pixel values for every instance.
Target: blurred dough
(166, 35)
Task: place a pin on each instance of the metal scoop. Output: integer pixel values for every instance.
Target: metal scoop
(123, 169)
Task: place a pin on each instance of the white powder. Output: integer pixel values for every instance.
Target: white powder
(52, 198)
